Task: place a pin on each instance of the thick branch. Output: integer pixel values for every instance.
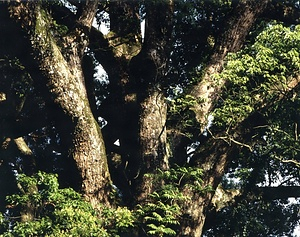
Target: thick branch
(87, 13)
(208, 89)
(104, 54)
(22, 146)
(281, 192)
(217, 153)
(223, 198)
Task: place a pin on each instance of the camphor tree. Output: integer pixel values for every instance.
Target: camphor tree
(193, 132)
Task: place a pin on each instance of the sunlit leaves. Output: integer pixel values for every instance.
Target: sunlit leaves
(261, 80)
(60, 212)
(160, 216)
(180, 108)
(259, 73)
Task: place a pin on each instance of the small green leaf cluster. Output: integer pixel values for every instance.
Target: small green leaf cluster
(259, 73)
(183, 177)
(159, 218)
(118, 220)
(182, 103)
(160, 215)
(59, 29)
(59, 212)
(181, 108)
(4, 223)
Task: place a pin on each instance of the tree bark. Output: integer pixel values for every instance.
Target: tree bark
(59, 61)
(136, 91)
(136, 108)
(206, 93)
(120, 109)
(148, 70)
(214, 156)
(213, 161)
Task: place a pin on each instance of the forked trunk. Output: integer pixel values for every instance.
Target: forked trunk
(207, 92)
(149, 69)
(60, 68)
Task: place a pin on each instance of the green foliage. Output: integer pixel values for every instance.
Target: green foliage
(183, 177)
(182, 103)
(274, 162)
(63, 212)
(119, 220)
(252, 218)
(60, 212)
(160, 215)
(180, 108)
(59, 30)
(259, 76)
(259, 73)
(4, 223)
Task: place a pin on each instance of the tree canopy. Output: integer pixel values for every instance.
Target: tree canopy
(181, 120)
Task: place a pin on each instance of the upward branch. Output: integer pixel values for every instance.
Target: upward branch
(207, 91)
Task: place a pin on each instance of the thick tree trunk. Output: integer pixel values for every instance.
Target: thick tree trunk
(139, 123)
(59, 60)
(207, 92)
(153, 141)
(148, 70)
(120, 109)
(213, 161)
(153, 131)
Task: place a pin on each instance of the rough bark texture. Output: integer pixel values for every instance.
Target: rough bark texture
(213, 161)
(206, 92)
(136, 91)
(153, 131)
(208, 89)
(60, 63)
(120, 109)
(135, 108)
(149, 69)
(153, 140)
